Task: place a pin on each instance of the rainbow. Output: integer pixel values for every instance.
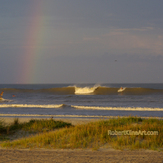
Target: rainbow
(33, 43)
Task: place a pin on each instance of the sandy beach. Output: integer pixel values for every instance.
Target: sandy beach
(78, 156)
(73, 121)
(81, 156)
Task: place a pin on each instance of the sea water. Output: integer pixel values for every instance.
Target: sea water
(81, 100)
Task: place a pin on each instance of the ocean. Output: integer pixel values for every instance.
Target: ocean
(81, 100)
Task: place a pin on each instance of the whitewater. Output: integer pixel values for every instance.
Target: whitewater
(81, 100)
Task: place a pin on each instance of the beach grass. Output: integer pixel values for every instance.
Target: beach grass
(2, 127)
(94, 135)
(2, 130)
(33, 126)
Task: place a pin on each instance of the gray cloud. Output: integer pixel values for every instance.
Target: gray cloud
(82, 41)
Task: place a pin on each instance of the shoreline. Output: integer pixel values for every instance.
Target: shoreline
(73, 121)
(70, 119)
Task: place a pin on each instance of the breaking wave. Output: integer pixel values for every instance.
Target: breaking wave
(85, 90)
(117, 108)
(30, 106)
(5, 100)
(94, 90)
(80, 107)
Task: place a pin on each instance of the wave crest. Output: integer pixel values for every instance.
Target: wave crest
(88, 90)
(116, 108)
(85, 90)
(30, 106)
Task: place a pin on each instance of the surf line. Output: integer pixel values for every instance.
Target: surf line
(70, 116)
(117, 108)
(30, 106)
(41, 115)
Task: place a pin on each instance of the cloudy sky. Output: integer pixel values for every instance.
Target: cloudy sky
(81, 41)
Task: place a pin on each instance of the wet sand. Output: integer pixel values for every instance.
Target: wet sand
(77, 156)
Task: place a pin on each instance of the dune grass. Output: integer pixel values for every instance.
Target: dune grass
(95, 135)
(33, 126)
(2, 130)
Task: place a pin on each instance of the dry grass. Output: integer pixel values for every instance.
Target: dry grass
(95, 134)
(29, 128)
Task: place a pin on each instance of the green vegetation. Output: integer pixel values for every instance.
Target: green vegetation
(92, 135)
(2, 130)
(33, 126)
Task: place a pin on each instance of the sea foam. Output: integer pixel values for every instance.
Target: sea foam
(117, 108)
(30, 106)
(85, 90)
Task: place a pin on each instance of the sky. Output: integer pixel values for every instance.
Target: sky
(81, 41)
